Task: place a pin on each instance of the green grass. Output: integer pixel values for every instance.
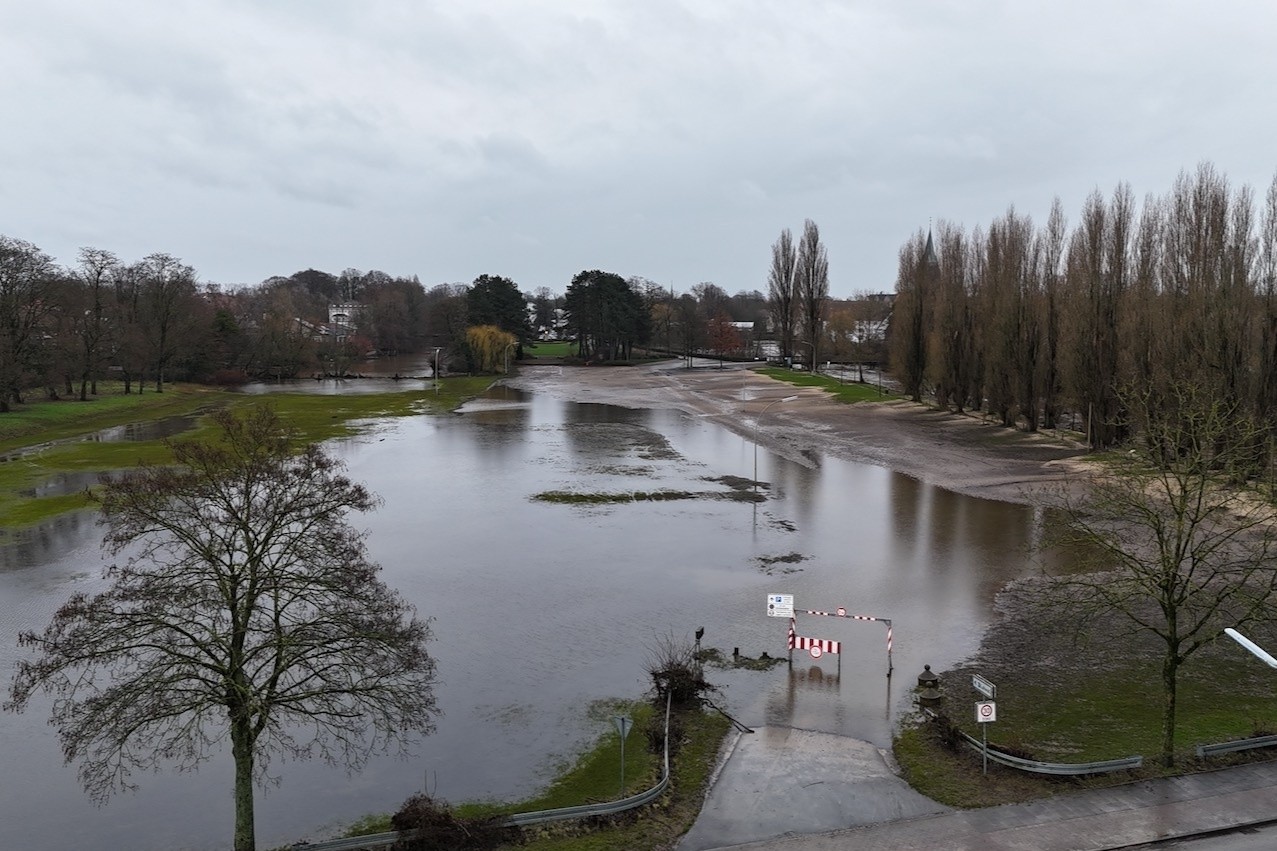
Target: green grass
(849, 392)
(1088, 715)
(661, 825)
(315, 417)
(595, 776)
(41, 420)
(555, 349)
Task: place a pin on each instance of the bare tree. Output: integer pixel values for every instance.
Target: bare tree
(26, 277)
(96, 270)
(1051, 251)
(247, 609)
(812, 284)
(781, 295)
(919, 268)
(1179, 547)
(167, 290)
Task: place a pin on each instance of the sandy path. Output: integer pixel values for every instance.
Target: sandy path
(960, 453)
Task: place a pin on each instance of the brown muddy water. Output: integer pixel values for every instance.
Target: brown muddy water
(542, 610)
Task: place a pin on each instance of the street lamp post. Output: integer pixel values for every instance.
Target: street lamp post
(1264, 655)
(760, 416)
(809, 344)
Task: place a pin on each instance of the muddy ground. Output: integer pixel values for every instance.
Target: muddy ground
(963, 453)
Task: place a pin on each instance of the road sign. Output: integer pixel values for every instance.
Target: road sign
(842, 613)
(780, 605)
(986, 711)
(983, 686)
(623, 724)
(815, 652)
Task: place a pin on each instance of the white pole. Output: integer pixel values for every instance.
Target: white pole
(1264, 655)
(760, 417)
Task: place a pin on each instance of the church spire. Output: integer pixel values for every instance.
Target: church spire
(929, 253)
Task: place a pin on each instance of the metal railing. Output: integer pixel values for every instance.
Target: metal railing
(1234, 746)
(608, 808)
(1063, 769)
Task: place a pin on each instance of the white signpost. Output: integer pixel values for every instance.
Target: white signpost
(986, 711)
(623, 724)
(780, 605)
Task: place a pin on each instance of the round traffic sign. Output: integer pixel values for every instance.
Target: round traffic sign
(986, 709)
(815, 652)
(842, 613)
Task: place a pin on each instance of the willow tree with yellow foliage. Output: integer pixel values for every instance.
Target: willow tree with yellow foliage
(490, 347)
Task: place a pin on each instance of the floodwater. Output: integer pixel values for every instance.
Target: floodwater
(541, 610)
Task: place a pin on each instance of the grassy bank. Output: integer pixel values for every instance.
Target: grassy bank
(595, 777)
(843, 392)
(1066, 702)
(48, 463)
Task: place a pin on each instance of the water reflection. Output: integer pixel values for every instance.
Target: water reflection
(47, 543)
(541, 609)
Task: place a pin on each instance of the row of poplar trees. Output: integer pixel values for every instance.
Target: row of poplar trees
(798, 290)
(1047, 326)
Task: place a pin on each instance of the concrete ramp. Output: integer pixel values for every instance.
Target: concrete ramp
(779, 781)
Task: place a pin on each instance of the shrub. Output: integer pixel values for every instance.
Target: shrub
(676, 671)
(425, 824)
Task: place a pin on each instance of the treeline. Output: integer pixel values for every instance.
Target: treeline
(148, 322)
(151, 321)
(1032, 324)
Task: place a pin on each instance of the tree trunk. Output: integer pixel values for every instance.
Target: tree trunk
(242, 750)
(1170, 672)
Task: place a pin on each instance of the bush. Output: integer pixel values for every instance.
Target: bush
(425, 824)
(676, 671)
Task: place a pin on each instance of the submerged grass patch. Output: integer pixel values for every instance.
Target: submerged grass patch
(42, 420)
(315, 418)
(613, 498)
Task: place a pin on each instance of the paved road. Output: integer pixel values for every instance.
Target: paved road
(787, 790)
(780, 781)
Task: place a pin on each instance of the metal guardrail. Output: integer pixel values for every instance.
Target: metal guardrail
(1063, 769)
(385, 840)
(1234, 746)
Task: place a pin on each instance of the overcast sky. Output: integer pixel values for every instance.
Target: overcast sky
(672, 140)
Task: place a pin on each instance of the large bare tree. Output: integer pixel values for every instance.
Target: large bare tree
(247, 610)
(1179, 545)
(94, 274)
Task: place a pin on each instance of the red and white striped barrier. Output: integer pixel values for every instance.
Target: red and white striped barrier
(841, 613)
(815, 646)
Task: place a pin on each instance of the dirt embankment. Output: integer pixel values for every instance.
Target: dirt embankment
(961, 453)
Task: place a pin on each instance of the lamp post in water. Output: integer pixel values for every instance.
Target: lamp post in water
(760, 417)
